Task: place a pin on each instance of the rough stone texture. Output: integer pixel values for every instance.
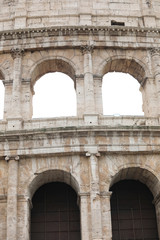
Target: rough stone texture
(90, 152)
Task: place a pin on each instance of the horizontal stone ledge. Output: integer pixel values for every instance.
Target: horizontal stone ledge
(142, 43)
(72, 30)
(78, 151)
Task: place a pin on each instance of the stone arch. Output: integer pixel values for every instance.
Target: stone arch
(144, 175)
(1, 75)
(47, 176)
(6, 71)
(133, 66)
(55, 64)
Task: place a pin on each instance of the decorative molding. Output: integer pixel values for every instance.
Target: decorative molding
(106, 194)
(87, 49)
(17, 52)
(85, 30)
(84, 194)
(8, 158)
(14, 35)
(23, 198)
(155, 51)
(7, 82)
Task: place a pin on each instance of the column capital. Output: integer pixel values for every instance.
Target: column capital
(83, 194)
(105, 194)
(96, 154)
(154, 51)
(15, 157)
(87, 49)
(17, 52)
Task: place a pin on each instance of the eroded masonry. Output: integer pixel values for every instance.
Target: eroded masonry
(90, 176)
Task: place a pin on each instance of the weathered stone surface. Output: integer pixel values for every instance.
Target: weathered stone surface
(90, 152)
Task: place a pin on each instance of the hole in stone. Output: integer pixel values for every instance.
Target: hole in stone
(115, 23)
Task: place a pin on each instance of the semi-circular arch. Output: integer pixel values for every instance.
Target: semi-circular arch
(47, 65)
(1, 75)
(48, 176)
(138, 173)
(133, 66)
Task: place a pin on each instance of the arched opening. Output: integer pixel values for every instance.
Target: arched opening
(2, 92)
(55, 213)
(132, 211)
(122, 78)
(121, 95)
(55, 96)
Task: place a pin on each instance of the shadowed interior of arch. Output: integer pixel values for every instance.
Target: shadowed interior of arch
(132, 210)
(121, 95)
(55, 213)
(55, 96)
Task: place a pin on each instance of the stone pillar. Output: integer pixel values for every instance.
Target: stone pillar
(7, 98)
(155, 55)
(95, 199)
(88, 80)
(12, 197)
(16, 90)
(148, 90)
(98, 94)
(106, 215)
(24, 224)
(156, 202)
(26, 99)
(84, 209)
(80, 95)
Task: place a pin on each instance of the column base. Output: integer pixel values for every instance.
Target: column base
(14, 124)
(91, 119)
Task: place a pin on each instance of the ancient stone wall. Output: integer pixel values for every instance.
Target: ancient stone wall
(90, 152)
(22, 14)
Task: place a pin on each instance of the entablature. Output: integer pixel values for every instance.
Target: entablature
(62, 37)
(74, 140)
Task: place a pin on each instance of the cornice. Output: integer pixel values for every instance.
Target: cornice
(82, 131)
(74, 30)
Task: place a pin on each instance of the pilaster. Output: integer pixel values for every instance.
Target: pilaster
(17, 55)
(84, 209)
(15, 116)
(87, 51)
(155, 55)
(149, 92)
(80, 95)
(95, 199)
(12, 197)
(98, 94)
(24, 210)
(106, 215)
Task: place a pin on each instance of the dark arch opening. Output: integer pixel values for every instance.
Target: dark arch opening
(55, 213)
(132, 211)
